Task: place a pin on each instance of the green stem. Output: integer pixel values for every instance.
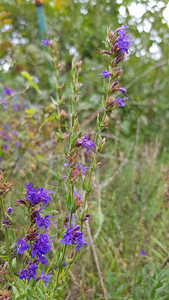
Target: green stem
(7, 244)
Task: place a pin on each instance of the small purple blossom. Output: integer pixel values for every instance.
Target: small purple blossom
(9, 210)
(5, 103)
(41, 246)
(72, 236)
(120, 101)
(44, 277)
(7, 137)
(80, 167)
(43, 222)
(29, 272)
(6, 147)
(46, 42)
(22, 246)
(17, 144)
(142, 252)
(43, 260)
(7, 126)
(88, 215)
(123, 41)
(15, 107)
(86, 143)
(14, 132)
(77, 196)
(8, 91)
(104, 74)
(66, 164)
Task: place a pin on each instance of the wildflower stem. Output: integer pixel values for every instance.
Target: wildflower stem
(7, 244)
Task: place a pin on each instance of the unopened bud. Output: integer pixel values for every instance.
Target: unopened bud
(59, 66)
(110, 102)
(119, 72)
(61, 86)
(106, 120)
(78, 85)
(62, 114)
(9, 210)
(78, 63)
(105, 52)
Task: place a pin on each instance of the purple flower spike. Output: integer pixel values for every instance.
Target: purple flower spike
(123, 41)
(120, 101)
(104, 74)
(8, 91)
(29, 272)
(22, 246)
(86, 143)
(46, 42)
(142, 252)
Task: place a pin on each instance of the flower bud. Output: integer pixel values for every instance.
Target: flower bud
(9, 210)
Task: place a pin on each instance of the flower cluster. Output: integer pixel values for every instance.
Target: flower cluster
(37, 196)
(38, 243)
(86, 143)
(73, 236)
(119, 43)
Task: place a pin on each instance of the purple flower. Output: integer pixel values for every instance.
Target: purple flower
(44, 277)
(66, 164)
(142, 252)
(9, 210)
(88, 215)
(66, 223)
(29, 272)
(123, 41)
(41, 246)
(7, 137)
(5, 103)
(46, 42)
(17, 144)
(43, 222)
(72, 236)
(36, 197)
(8, 91)
(77, 196)
(6, 147)
(22, 246)
(120, 101)
(15, 107)
(7, 126)
(105, 74)
(86, 143)
(43, 260)
(14, 132)
(0, 158)
(80, 167)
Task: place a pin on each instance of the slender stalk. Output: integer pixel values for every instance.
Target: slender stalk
(7, 244)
